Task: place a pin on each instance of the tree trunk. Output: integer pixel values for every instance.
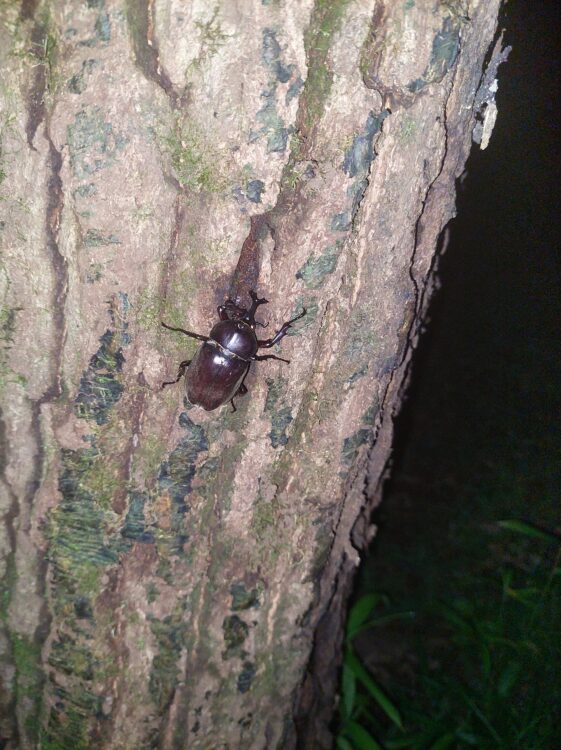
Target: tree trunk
(173, 578)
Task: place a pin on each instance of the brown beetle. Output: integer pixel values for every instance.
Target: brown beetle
(217, 372)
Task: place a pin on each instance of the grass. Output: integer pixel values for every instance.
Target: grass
(486, 673)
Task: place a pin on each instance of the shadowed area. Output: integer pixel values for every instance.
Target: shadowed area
(478, 442)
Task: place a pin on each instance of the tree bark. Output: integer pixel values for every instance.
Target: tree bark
(173, 578)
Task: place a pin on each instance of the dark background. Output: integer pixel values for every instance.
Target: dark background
(478, 439)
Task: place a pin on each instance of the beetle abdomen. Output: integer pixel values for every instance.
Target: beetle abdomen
(213, 377)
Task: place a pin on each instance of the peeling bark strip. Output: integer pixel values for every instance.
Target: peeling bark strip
(170, 578)
(246, 275)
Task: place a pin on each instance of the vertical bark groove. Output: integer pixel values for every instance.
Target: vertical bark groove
(147, 53)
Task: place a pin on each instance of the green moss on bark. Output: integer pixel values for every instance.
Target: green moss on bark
(325, 21)
(169, 634)
(193, 159)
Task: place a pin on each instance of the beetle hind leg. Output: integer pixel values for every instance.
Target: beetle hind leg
(242, 390)
(182, 367)
(261, 357)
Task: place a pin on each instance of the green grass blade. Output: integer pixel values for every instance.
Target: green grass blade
(383, 620)
(528, 529)
(482, 718)
(360, 612)
(362, 740)
(376, 692)
(507, 679)
(444, 742)
(348, 692)
(408, 742)
(343, 743)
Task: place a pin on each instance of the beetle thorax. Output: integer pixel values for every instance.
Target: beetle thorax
(236, 336)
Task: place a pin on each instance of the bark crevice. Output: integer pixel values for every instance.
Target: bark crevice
(142, 27)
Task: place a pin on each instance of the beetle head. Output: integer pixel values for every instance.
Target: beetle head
(230, 311)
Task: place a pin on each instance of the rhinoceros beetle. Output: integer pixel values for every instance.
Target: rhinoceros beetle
(217, 372)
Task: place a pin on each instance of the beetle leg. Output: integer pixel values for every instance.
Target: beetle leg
(182, 367)
(242, 390)
(250, 315)
(266, 343)
(256, 300)
(197, 336)
(260, 358)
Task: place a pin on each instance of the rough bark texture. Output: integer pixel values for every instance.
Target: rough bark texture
(172, 578)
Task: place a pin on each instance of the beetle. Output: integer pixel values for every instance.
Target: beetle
(217, 372)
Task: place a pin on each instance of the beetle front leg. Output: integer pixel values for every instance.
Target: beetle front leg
(197, 336)
(281, 333)
(182, 367)
(255, 302)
